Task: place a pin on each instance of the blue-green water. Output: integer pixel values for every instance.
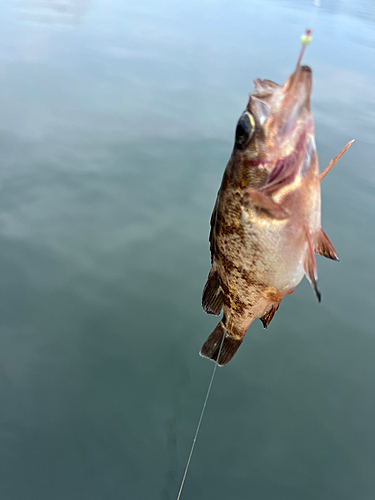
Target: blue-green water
(116, 123)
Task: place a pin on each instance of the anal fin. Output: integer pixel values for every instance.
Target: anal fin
(265, 202)
(309, 266)
(267, 318)
(323, 246)
(212, 297)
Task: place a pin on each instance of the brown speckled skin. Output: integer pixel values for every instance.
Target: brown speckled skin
(259, 258)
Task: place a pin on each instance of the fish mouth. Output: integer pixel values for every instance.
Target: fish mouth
(279, 107)
(298, 86)
(294, 105)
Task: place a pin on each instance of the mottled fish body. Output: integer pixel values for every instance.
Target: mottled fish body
(266, 223)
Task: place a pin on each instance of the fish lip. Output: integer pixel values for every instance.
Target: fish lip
(289, 98)
(282, 112)
(300, 81)
(305, 68)
(296, 100)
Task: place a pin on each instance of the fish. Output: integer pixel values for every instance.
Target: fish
(266, 222)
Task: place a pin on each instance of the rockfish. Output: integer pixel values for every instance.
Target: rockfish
(266, 223)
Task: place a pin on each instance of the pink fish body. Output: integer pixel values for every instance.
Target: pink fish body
(266, 223)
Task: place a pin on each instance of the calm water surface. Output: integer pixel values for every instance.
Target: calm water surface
(116, 123)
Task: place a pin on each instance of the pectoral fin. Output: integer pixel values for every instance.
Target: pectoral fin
(309, 266)
(333, 162)
(212, 298)
(267, 318)
(261, 200)
(323, 246)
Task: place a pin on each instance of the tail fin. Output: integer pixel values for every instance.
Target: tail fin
(211, 347)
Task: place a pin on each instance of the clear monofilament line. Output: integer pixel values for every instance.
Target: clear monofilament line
(208, 391)
(305, 40)
(198, 427)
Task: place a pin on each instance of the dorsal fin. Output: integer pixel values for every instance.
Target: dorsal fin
(322, 246)
(309, 266)
(212, 297)
(212, 237)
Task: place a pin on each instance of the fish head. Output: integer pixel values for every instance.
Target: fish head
(277, 121)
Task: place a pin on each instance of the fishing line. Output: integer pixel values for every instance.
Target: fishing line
(305, 40)
(199, 423)
(209, 385)
(314, 16)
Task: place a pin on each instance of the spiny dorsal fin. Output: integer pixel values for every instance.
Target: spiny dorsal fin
(333, 162)
(323, 246)
(212, 297)
(261, 200)
(267, 318)
(212, 237)
(309, 266)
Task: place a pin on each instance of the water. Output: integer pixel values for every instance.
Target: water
(116, 123)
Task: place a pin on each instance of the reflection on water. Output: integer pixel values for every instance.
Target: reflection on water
(116, 122)
(69, 12)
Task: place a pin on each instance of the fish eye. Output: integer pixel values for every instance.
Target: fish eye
(245, 129)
